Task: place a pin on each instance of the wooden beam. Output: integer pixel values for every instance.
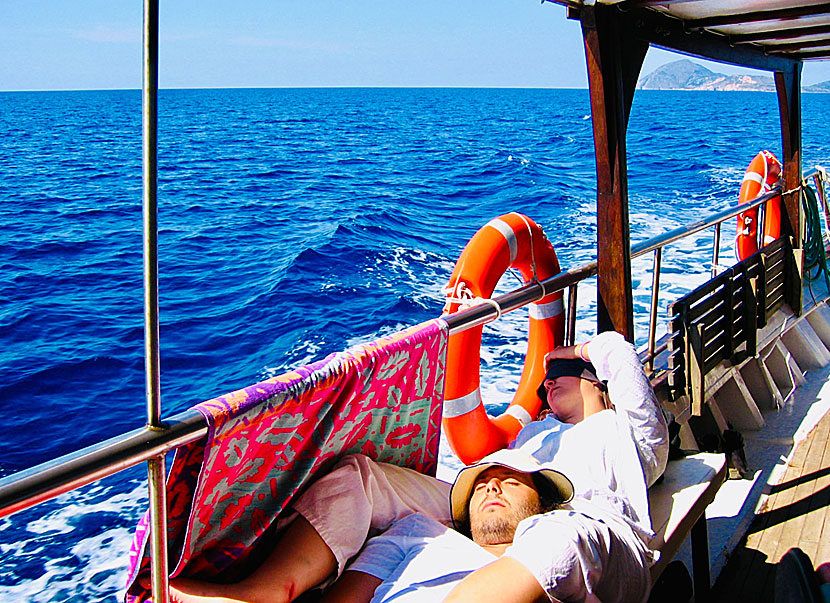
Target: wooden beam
(792, 46)
(668, 32)
(813, 54)
(788, 86)
(614, 58)
(761, 15)
(790, 33)
(638, 3)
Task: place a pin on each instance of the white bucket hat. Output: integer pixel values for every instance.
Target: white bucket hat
(512, 459)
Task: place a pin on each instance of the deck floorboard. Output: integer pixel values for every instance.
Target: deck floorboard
(796, 512)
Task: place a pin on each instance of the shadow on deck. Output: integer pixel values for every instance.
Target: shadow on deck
(795, 513)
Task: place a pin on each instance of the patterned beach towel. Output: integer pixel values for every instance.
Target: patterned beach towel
(267, 441)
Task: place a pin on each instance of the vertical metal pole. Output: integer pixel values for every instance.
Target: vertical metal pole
(716, 251)
(570, 335)
(655, 293)
(152, 366)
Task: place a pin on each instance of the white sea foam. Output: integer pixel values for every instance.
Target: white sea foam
(91, 569)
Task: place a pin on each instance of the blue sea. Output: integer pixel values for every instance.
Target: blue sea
(294, 223)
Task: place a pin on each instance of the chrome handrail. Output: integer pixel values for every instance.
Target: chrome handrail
(52, 478)
(531, 292)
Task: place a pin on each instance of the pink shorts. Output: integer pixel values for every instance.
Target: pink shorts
(360, 498)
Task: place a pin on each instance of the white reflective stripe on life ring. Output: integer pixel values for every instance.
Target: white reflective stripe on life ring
(768, 239)
(461, 406)
(548, 310)
(510, 236)
(753, 177)
(519, 413)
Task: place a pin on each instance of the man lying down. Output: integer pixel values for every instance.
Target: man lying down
(603, 438)
(419, 559)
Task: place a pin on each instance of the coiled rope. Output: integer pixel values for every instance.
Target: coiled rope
(462, 295)
(815, 256)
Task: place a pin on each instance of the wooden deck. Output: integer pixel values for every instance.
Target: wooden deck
(796, 513)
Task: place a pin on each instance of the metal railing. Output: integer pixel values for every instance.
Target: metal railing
(32, 486)
(152, 364)
(48, 480)
(532, 292)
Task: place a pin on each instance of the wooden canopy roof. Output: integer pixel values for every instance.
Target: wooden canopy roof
(765, 34)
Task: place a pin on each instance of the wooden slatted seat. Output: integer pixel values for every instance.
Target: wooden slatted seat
(678, 506)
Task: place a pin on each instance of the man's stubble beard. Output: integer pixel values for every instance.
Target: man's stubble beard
(500, 528)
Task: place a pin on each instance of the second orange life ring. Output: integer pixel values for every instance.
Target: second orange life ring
(763, 173)
(511, 240)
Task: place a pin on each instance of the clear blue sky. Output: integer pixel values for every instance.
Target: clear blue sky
(92, 44)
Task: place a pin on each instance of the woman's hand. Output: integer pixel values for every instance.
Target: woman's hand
(568, 352)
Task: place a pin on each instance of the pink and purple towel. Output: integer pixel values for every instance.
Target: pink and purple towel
(267, 441)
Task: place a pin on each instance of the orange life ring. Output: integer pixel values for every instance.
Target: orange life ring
(511, 240)
(763, 173)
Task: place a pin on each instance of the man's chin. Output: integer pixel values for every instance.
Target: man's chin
(499, 525)
(493, 530)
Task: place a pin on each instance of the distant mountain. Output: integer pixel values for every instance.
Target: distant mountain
(687, 75)
(822, 87)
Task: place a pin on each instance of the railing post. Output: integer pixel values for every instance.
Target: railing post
(716, 251)
(570, 335)
(152, 366)
(750, 321)
(655, 293)
(761, 292)
(760, 226)
(729, 315)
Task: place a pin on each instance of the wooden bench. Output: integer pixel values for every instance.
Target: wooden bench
(719, 321)
(678, 506)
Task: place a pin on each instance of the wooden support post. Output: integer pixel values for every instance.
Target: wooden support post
(614, 58)
(788, 85)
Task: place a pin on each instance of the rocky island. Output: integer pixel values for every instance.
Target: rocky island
(688, 75)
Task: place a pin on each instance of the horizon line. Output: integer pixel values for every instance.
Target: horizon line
(370, 87)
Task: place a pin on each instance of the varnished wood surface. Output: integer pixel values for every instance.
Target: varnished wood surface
(796, 513)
